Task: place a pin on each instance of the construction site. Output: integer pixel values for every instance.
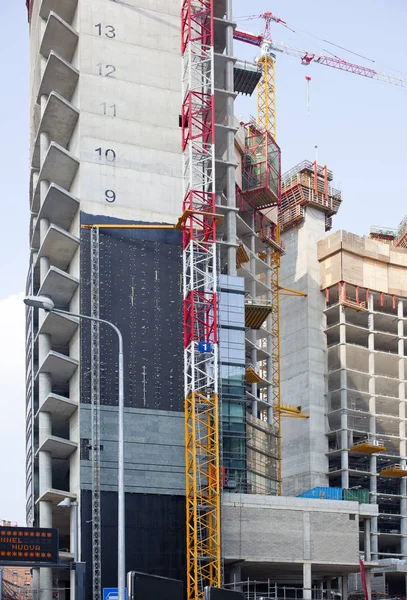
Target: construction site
(264, 360)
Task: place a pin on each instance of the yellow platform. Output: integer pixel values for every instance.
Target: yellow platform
(367, 448)
(256, 314)
(394, 471)
(287, 410)
(252, 376)
(241, 256)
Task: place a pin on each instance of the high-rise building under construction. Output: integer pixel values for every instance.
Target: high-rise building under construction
(153, 208)
(107, 189)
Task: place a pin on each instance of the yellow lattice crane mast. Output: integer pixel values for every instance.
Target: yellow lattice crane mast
(266, 96)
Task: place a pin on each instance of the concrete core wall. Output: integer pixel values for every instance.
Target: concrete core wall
(303, 357)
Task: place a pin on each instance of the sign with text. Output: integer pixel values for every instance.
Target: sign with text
(26, 544)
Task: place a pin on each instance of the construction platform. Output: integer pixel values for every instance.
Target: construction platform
(367, 447)
(394, 471)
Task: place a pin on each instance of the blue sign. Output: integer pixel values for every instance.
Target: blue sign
(113, 594)
(204, 347)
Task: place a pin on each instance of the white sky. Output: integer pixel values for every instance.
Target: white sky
(359, 127)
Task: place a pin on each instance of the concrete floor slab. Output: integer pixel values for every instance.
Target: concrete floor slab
(58, 447)
(59, 76)
(60, 407)
(55, 496)
(59, 37)
(59, 286)
(59, 246)
(59, 366)
(60, 327)
(58, 121)
(65, 9)
(59, 207)
(59, 167)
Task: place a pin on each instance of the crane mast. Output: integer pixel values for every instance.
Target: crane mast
(198, 224)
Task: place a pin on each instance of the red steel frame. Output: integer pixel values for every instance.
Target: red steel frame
(198, 223)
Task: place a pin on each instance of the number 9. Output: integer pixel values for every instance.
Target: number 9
(110, 196)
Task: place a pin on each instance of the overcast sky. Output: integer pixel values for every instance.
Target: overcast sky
(358, 125)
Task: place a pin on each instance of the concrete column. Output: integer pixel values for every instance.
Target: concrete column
(368, 556)
(45, 430)
(35, 584)
(344, 580)
(269, 365)
(307, 581)
(44, 388)
(253, 293)
(372, 427)
(46, 584)
(230, 152)
(344, 402)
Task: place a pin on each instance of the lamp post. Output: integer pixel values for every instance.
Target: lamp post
(47, 304)
(68, 503)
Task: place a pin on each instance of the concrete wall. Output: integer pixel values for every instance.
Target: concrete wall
(361, 261)
(130, 99)
(303, 357)
(254, 527)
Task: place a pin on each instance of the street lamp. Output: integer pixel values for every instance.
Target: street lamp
(68, 503)
(47, 304)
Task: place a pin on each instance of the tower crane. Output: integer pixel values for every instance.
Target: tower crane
(266, 99)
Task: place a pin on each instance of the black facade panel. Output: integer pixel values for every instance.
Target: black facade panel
(155, 536)
(140, 292)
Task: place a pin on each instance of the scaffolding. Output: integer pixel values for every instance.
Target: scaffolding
(308, 184)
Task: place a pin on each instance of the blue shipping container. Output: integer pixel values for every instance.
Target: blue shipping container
(323, 493)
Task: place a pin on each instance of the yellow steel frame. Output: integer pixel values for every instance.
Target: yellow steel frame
(275, 358)
(202, 493)
(266, 96)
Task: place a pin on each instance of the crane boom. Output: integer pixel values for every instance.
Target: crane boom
(309, 57)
